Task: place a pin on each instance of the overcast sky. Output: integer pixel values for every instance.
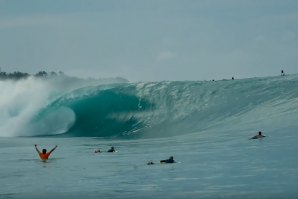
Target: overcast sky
(150, 40)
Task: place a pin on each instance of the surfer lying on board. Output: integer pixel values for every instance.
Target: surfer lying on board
(150, 163)
(97, 151)
(258, 136)
(112, 149)
(44, 155)
(170, 160)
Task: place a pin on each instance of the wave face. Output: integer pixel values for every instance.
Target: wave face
(155, 109)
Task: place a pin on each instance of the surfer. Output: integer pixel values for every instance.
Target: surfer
(112, 149)
(170, 160)
(282, 73)
(258, 136)
(44, 155)
(150, 163)
(97, 151)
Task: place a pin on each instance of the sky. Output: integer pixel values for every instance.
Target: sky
(150, 40)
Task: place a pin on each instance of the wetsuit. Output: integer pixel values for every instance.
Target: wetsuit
(111, 150)
(168, 161)
(257, 137)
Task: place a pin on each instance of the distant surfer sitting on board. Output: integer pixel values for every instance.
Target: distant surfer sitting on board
(44, 155)
(258, 136)
(282, 73)
(170, 160)
(112, 149)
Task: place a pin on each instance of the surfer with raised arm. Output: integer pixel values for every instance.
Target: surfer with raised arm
(258, 136)
(44, 155)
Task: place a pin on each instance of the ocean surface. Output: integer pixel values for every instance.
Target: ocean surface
(205, 125)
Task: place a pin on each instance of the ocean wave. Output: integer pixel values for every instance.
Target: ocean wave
(147, 109)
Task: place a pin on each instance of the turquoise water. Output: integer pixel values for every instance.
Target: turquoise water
(206, 126)
(207, 168)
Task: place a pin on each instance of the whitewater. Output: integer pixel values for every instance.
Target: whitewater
(205, 125)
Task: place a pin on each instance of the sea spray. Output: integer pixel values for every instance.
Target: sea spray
(23, 101)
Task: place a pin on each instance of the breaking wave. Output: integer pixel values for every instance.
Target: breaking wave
(35, 107)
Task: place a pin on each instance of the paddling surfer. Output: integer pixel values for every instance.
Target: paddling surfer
(258, 136)
(170, 160)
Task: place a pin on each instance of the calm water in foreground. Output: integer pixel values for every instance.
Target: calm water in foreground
(208, 167)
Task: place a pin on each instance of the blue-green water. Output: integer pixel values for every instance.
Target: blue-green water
(207, 168)
(206, 126)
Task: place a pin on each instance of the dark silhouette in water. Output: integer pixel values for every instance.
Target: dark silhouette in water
(112, 149)
(170, 160)
(258, 136)
(150, 163)
(282, 73)
(97, 151)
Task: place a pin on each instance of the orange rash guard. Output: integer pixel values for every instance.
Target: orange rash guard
(44, 156)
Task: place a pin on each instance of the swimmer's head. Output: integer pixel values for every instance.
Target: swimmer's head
(260, 133)
(171, 157)
(44, 151)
